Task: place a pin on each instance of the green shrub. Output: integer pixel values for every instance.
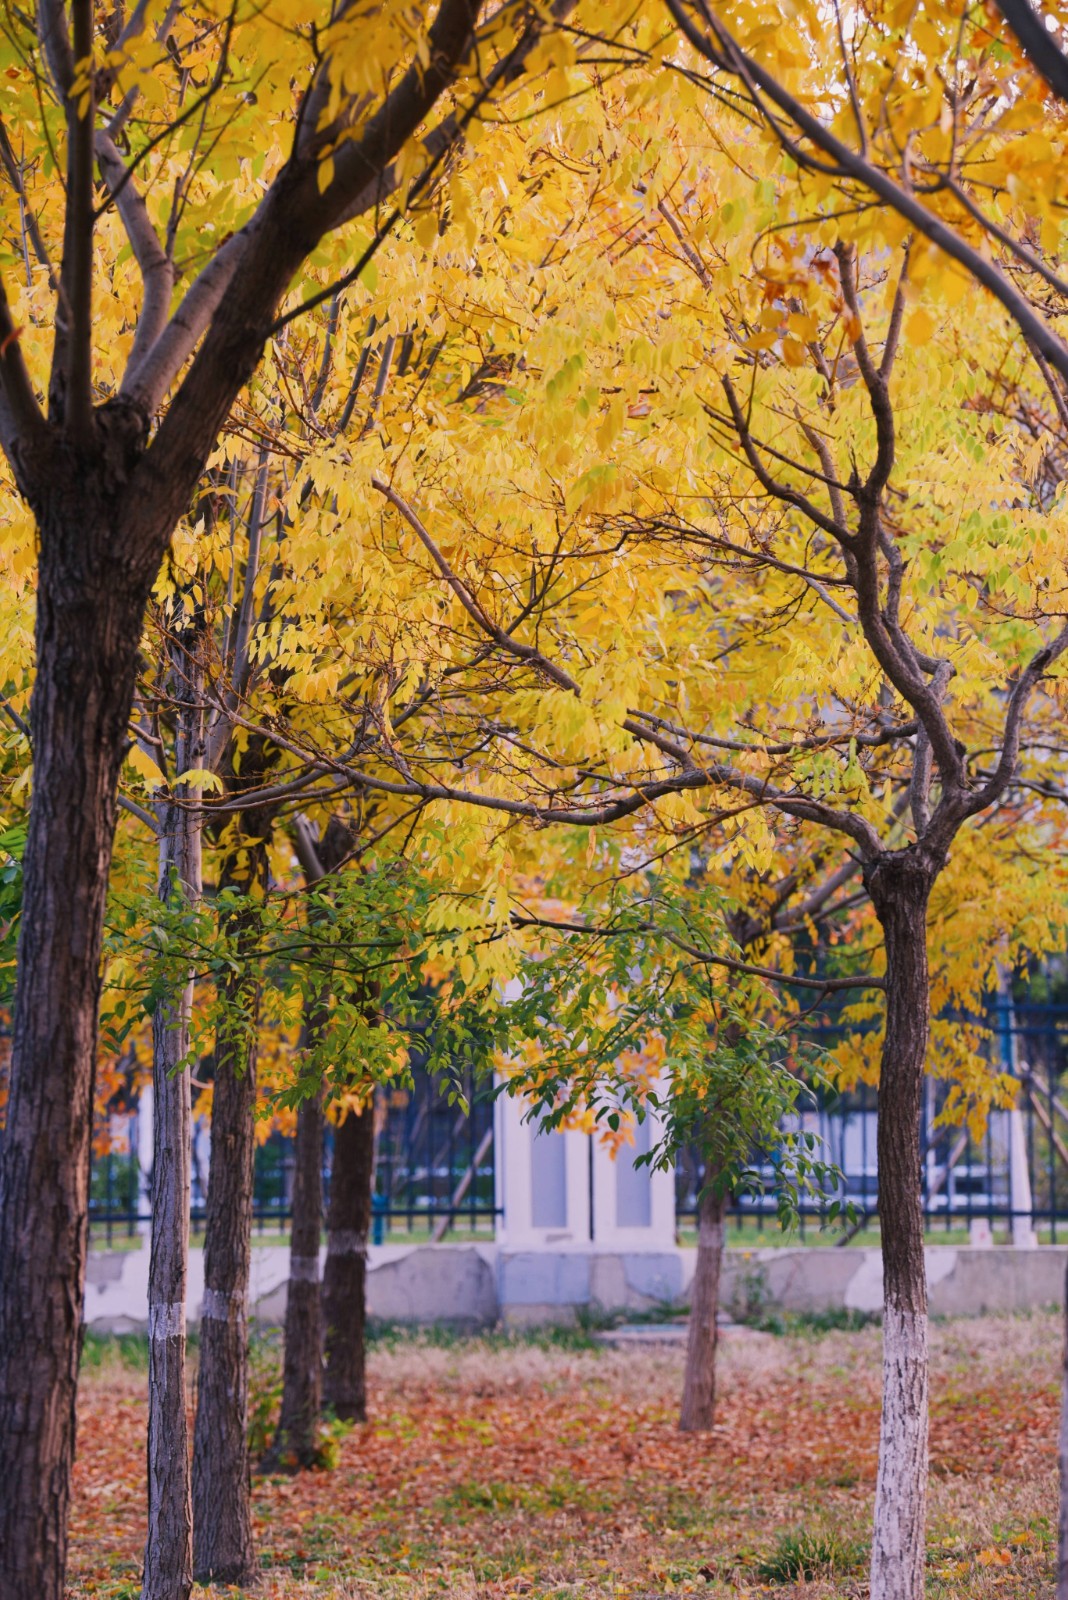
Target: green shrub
(807, 1555)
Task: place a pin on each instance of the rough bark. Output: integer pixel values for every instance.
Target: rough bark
(697, 1412)
(1062, 1526)
(899, 885)
(348, 1224)
(106, 506)
(302, 1380)
(223, 1548)
(168, 1573)
(89, 607)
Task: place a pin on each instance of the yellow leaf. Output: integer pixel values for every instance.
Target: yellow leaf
(426, 229)
(145, 767)
(203, 778)
(920, 328)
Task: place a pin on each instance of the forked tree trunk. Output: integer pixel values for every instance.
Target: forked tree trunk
(302, 1380)
(223, 1548)
(89, 611)
(168, 1571)
(348, 1224)
(698, 1409)
(1062, 1527)
(899, 886)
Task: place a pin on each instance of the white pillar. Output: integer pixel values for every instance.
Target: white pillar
(145, 1135)
(633, 1206)
(542, 1181)
(1023, 1234)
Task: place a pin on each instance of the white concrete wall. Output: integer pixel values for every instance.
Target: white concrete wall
(478, 1285)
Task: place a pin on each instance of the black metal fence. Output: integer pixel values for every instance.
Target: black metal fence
(434, 1170)
(435, 1161)
(1013, 1178)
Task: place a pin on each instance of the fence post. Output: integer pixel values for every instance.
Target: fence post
(1023, 1233)
(143, 1155)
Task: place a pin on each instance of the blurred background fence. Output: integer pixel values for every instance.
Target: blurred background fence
(435, 1161)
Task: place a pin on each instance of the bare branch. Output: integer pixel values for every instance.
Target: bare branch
(157, 270)
(16, 718)
(15, 175)
(610, 809)
(779, 491)
(220, 726)
(71, 385)
(698, 953)
(55, 40)
(1005, 770)
(306, 844)
(523, 652)
(147, 380)
(24, 433)
(875, 379)
(138, 811)
(1040, 47)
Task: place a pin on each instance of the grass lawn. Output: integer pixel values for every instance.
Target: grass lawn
(551, 1467)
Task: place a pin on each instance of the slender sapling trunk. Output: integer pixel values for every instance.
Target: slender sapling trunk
(168, 1573)
(296, 1440)
(348, 1224)
(698, 1409)
(1062, 1453)
(899, 884)
(223, 1548)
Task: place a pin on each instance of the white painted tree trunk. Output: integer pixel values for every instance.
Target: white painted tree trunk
(1062, 1530)
(899, 887)
(897, 1557)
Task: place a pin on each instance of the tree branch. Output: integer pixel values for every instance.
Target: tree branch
(54, 36)
(1038, 44)
(611, 809)
(71, 385)
(147, 380)
(523, 652)
(706, 957)
(24, 433)
(1005, 770)
(237, 296)
(779, 491)
(724, 53)
(157, 270)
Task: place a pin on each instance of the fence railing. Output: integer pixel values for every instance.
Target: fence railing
(1014, 1179)
(435, 1162)
(434, 1171)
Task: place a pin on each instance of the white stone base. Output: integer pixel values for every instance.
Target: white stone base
(479, 1285)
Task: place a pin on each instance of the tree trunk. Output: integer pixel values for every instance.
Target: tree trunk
(899, 885)
(168, 1571)
(345, 1275)
(302, 1381)
(223, 1548)
(89, 611)
(1062, 1529)
(699, 1384)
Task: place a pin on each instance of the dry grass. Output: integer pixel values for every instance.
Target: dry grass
(493, 1469)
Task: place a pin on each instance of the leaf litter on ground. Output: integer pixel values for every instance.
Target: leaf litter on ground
(492, 1468)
